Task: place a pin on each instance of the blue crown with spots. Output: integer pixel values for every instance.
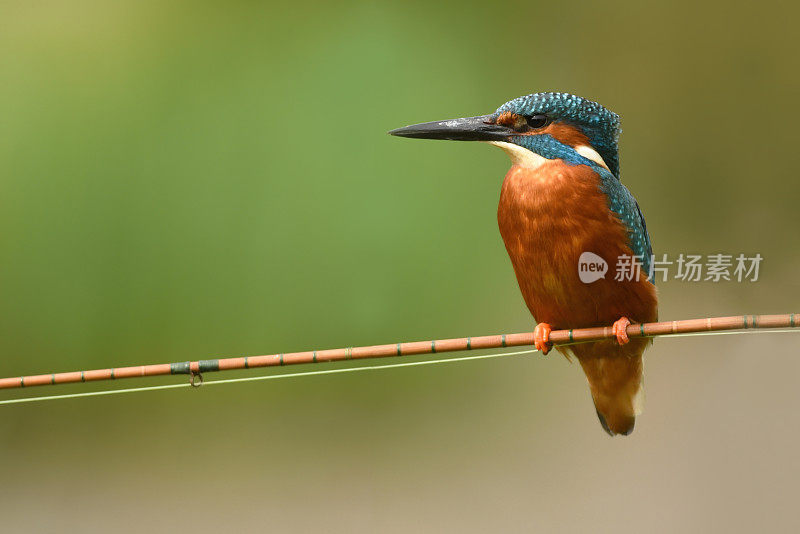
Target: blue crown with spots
(601, 126)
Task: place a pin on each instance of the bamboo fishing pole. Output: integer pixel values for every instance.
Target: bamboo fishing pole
(557, 337)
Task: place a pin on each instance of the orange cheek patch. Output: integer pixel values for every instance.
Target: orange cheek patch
(564, 133)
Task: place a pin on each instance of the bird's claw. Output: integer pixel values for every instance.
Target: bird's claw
(620, 328)
(541, 338)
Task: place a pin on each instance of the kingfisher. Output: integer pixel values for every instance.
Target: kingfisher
(561, 200)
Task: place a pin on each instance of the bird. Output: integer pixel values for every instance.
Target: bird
(561, 199)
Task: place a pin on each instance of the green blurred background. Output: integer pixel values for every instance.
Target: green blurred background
(187, 180)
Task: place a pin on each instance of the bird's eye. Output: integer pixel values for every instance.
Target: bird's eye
(537, 121)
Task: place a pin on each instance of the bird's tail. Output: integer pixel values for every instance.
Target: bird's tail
(614, 373)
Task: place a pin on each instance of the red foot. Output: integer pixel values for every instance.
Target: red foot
(619, 330)
(541, 338)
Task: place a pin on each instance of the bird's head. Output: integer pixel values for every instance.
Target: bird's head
(532, 127)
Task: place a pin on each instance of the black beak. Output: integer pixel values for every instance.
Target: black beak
(481, 128)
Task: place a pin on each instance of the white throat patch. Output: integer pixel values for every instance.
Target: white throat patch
(521, 156)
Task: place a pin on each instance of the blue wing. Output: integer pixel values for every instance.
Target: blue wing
(621, 202)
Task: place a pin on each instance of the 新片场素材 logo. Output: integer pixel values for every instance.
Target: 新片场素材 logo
(687, 268)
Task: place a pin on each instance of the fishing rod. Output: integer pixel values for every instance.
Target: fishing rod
(195, 369)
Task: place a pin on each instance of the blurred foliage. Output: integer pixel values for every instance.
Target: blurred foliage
(184, 180)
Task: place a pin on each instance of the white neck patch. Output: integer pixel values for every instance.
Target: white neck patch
(590, 153)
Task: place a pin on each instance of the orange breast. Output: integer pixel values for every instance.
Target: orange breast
(548, 217)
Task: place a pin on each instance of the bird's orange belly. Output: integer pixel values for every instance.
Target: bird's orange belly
(548, 217)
